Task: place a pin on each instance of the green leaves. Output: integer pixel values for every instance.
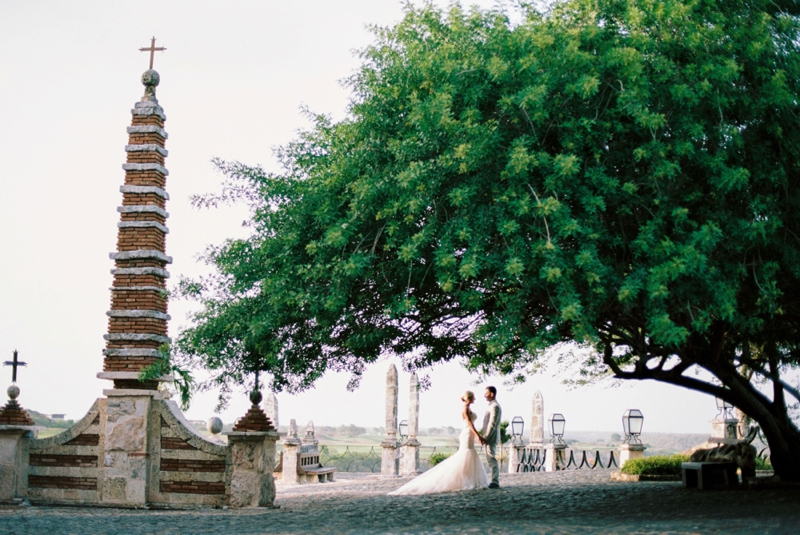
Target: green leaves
(616, 173)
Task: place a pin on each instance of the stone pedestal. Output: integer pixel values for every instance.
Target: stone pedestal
(291, 451)
(630, 451)
(409, 464)
(252, 461)
(389, 459)
(724, 427)
(12, 470)
(555, 457)
(515, 452)
(124, 467)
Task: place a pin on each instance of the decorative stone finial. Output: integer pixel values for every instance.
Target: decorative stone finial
(214, 425)
(292, 429)
(150, 79)
(255, 397)
(13, 391)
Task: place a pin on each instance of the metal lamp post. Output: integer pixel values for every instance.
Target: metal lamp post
(632, 422)
(724, 408)
(557, 425)
(517, 426)
(403, 429)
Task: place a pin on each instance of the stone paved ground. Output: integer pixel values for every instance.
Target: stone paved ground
(552, 503)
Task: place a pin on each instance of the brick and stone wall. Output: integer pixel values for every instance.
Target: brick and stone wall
(64, 468)
(191, 469)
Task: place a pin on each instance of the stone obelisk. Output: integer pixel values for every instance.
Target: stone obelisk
(389, 460)
(537, 420)
(271, 408)
(411, 445)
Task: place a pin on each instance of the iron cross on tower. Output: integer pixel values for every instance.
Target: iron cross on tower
(152, 49)
(14, 363)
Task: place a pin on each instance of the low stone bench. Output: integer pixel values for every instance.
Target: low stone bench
(707, 475)
(309, 467)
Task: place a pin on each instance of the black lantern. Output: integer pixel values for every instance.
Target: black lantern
(403, 428)
(724, 409)
(557, 424)
(632, 422)
(517, 426)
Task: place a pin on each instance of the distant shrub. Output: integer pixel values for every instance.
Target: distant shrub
(763, 463)
(437, 457)
(657, 465)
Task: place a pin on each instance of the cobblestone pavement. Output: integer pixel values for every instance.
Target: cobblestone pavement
(541, 503)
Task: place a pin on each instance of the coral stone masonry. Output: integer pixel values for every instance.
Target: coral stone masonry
(137, 321)
(134, 448)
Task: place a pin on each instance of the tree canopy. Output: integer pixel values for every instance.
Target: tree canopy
(618, 173)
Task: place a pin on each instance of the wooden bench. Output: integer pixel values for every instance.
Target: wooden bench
(707, 475)
(309, 468)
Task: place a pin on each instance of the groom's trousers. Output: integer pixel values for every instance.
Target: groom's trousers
(490, 451)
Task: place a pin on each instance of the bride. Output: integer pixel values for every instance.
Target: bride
(461, 471)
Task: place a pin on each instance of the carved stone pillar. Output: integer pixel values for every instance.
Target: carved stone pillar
(389, 460)
(291, 451)
(537, 419)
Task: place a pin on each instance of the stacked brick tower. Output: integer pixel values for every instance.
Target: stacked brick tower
(137, 323)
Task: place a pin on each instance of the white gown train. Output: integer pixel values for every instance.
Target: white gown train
(461, 471)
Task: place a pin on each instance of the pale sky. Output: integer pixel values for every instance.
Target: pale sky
(233, 79)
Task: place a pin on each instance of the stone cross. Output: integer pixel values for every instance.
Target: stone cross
(152, 49)
(271, 408)
(14, 363)
(391, 403)
(413, 407)
(537, 419)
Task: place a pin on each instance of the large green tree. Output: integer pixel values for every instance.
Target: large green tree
(617, 173)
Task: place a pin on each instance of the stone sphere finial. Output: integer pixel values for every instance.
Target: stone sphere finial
(256, 397)
(214, 425)
(150, 79)
(13, 391)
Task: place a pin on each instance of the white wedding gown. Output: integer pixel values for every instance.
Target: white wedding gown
(461, 471)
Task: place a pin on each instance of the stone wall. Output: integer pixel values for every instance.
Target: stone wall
(134, 451)
(64, 468)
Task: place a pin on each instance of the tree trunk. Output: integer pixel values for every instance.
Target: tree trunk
(784, 448)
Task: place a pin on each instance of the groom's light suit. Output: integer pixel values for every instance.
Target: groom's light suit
(491, 433)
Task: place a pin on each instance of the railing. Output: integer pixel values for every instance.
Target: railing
(353, 460)
(350, 460)
(531, 460)
(534, 459)
(361, 459)
(763, 455)
(585, 463)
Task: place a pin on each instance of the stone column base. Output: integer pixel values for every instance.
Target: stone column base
(252, 461)
(390, 463)
(630, 451)
(409, 465)
(555, 457)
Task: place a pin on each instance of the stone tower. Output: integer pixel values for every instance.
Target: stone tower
(137, 323)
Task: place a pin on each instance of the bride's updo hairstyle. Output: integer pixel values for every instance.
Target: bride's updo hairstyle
(468, 396)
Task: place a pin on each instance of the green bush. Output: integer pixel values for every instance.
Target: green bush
(436, 458)
(763, 463)
(657, 465)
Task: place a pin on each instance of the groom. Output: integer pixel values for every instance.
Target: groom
(490, 434)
